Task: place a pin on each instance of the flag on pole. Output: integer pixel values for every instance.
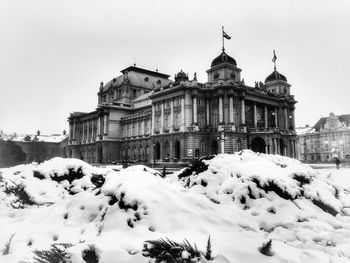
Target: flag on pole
(225, 35)
(274, 56)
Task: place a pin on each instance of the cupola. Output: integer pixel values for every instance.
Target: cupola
(181, 76)
(224, 68)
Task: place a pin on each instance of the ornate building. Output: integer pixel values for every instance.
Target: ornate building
(144, 116)
(327, 139)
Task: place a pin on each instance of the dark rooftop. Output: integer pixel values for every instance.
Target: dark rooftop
(145, 71)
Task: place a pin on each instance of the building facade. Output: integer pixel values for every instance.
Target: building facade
(144, 116)
(329, 138)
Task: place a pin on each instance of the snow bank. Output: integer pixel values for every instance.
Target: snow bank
(240, 200)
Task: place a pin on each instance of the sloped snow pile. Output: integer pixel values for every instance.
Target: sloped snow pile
(287, 199)
(48, 182)
(241, 201)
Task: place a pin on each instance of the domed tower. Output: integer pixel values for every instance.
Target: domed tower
(224, 67)
(276, 82)
(181, 76)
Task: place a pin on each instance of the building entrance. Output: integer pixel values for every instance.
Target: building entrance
(258, 145)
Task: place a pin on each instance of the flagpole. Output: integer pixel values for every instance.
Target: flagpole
(223, 44)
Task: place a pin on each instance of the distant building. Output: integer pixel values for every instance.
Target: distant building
(144, 116)
(327, 139)
(39, 148)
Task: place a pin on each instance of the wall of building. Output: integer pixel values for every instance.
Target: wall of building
(40, 151)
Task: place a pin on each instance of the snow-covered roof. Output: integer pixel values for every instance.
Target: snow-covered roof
(304, 130)
(54, 138)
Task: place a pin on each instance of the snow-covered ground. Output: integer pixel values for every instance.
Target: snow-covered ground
(240, 200)
(341, 176)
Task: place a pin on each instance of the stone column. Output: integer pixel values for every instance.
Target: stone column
(293, 119)
(87, 131)
(194, 103)
(221, 111)
(254, 115)
(265, 117)
(285, 118)
(70, 132)
(92, 130)
(208, 111)
(98, 126)
(83, 132)
(171, 128)
(242, 111)
(105, 131)
(230, 101)
(153, 119)
(162, 117)
(275, 146)
(74, 129)
(183, 121)
(188, 109)
(276, 117)
(266, 148)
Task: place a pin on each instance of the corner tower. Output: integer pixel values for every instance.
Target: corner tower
(276, 82)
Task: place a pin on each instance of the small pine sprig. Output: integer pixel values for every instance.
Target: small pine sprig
(208, 251)
(57, 254)
(6, 249)
(265, 249)
(19, 191)
(166, 250)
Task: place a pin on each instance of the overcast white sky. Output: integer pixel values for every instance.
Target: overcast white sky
(53, 54)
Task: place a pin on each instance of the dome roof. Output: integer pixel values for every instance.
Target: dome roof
(275, 75)
(223, 58)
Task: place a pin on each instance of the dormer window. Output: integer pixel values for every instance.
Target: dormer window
(159, 82)
(233, 76)
(146, 79)
(216, 75)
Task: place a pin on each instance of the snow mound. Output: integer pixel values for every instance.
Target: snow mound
(246, 176)
(241, 201)
(50, 181)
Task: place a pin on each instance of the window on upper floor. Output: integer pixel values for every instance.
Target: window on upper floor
(166, 121)
(233, 76)
(157, 123)
(216, 75)
(177, 101)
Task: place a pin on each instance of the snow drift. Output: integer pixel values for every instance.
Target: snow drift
(241, 201)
